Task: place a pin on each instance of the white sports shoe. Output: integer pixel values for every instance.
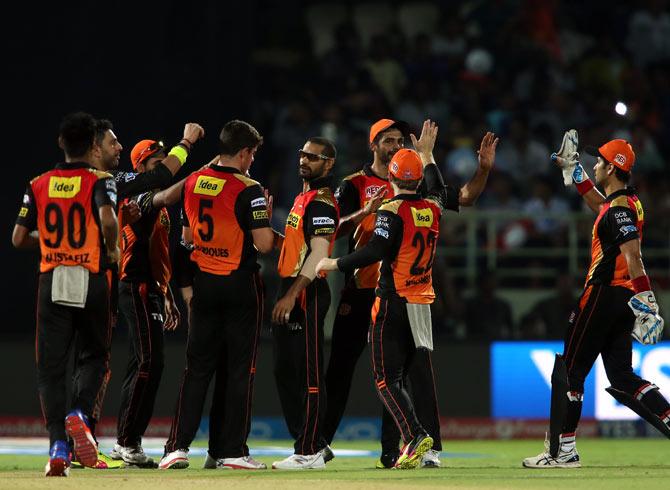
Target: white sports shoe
(431, 459)
(301, 462)
(176, 460)
(241, 463)
(130, 454)
(567, 457)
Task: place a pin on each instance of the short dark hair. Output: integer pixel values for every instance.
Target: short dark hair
(237, 135)
(408, 185)
(77, 133)
(102, 126)
(329, 149)
(622, 175)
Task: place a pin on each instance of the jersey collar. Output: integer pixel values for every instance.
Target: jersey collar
(225, 169)
(321, 182)
(626, 191)
(367, 170)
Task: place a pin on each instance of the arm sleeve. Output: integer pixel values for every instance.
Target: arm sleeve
(320, 219)
(104, 193)
(621, 224)
(28, 212)
(251, 208)
(347, 198)
(131, 184)
(436, 190)
(385, 238)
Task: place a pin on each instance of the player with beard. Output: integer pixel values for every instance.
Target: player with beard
(304, 299)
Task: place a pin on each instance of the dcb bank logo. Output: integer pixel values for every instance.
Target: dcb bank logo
(521, 380)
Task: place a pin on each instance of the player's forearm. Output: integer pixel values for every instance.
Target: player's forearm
(471, 191)
(169, 196)
(350, 222)
(300, 283)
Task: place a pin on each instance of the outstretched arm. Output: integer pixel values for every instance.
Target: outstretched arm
(471, 191)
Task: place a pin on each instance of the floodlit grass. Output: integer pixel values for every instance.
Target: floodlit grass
(607, 464)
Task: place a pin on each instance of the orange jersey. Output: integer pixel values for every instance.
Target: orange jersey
(353, 194)
(62, 205)
(145, 246)
(621, 219)
(314, 213)
(404, 239)
(222, 206)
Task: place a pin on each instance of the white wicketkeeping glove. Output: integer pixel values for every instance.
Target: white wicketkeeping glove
(567, 157)
(648, 327)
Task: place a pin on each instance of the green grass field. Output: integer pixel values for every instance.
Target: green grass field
(607, 464)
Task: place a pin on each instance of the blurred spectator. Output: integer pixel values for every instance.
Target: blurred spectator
(548, 318)
(544, 199)
(520, 154)
(387, 73)
(488, 316)
(649, 33)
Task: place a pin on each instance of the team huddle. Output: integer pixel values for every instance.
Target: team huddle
(103, 238)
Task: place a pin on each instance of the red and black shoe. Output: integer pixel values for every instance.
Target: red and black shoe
(85, 447)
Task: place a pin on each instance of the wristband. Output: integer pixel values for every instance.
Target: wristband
(180, 153)
(641, 284)
(584, 187)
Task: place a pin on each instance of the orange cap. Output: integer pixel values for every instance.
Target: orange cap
(617, 152)
(406, 165)
(384, 124)
(143, 150)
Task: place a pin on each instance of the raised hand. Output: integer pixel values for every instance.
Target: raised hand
(487, 151)
(376, 200)
(193, 132)
(426, 142)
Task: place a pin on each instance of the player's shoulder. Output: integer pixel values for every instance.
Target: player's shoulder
(247, 181)
(625, 201)
(326, 196)
(100, 174)
(37, 177)
(391, 206)
(351, 178)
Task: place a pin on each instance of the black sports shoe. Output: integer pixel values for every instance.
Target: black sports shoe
(387, 461)
(327, 454)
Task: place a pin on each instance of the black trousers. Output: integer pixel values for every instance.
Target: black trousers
(350, 336)
(57, 328)
(298, 366)
(393, 351)
(226, 316)
(143, 308)
(601, 325)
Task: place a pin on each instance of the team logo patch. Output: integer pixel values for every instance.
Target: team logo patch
(381, 233)
(323, 220)
(23, 212)
(625, 230)
(260, 214)
(209, 186)
(325, 231)
(258, 202)
(344, 310)
(620, 159)
(640, 211)
(64, 187)
(371, 189)
(293, 220)
(422, 217)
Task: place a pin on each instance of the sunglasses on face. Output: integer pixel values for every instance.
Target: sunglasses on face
(150, 150)
(311, 157)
